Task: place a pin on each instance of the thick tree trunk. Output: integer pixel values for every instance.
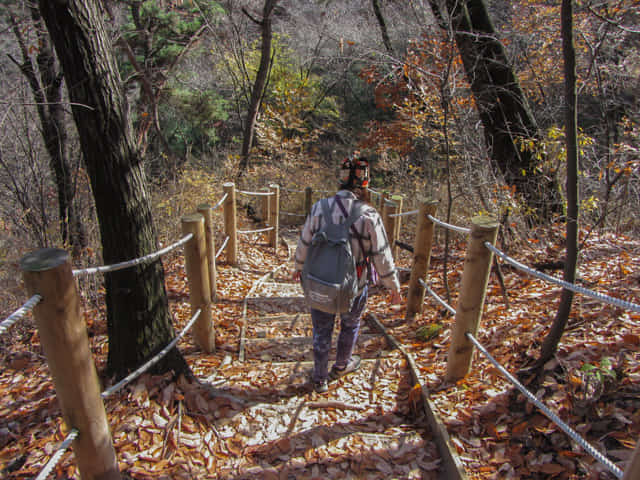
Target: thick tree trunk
(551, 341)
(502, 105)
(258, 85)
(138, 317)
(46, 86)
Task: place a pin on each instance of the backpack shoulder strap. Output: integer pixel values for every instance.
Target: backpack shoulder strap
(324, 203)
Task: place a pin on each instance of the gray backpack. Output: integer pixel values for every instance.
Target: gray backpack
(329, 276)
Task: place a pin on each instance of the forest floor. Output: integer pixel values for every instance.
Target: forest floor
(261, 419)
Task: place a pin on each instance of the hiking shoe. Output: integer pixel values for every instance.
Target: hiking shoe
(352, 366)
(321, 387)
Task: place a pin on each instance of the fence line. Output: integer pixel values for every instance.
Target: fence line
(404, 214)
(136, 261)
(259, 230)
(220, 202)
(634, 307)
(20, 313)
(552, 416)
(437, 297)
(292, 191)
(224, 244)
(455, 228)
(293, 214)
(152, 361)
(55, 458)
(256, 194)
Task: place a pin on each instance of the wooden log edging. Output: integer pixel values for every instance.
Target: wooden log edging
(451, 463)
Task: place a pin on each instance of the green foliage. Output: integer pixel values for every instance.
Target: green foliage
(190, 118)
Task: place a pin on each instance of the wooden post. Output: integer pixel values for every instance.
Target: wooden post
(230, 223)
(382, 202)
(195, 259)
(265, 205)
(633, 469)
(473, 289)
(308, 194)
(421, 258)
(396, 222)
(206, 211)
(274, 214)
(63, 336)
(386, 220)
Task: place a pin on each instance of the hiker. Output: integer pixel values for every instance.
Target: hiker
(369, 248)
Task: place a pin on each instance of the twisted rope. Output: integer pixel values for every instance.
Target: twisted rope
(221, 249)
(155, 359)
(136, 261)
(404, 214)
(260, 230)
(455, 228)
(257, 194)
(220, 202)
(552, 416)
(634, 307)
(55, 458)
(437, 297)
(20, 313)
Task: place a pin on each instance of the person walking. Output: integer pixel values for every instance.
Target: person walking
(372, 253)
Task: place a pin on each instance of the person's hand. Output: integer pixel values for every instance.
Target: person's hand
(296, 275)
(396, 298)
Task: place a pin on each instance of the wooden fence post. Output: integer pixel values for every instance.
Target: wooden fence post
(633, 469)
(308, 194)
(396, 222)
(266, 203)
(206, 211)
(274, 214)
(195, 258)
(230, 223)
(473, 289)
(63, 335)
(421, 258)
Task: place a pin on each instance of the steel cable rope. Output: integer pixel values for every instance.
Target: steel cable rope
(552, 416)
(449, 226)
(221, 249)
(152, 361)
(55, 458)
(220, 202)
(437, 297)
(260, 230)
(634, 307)
(136, 261)
(257, 194)
(291, 191)
(20, 313)
(404, 214)
(293, 214)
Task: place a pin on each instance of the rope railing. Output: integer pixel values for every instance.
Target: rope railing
(291, 191)
(290, 214)
(438, 299)
(220, 202)
(259, 230)
(221, 249)
(634, 307)
(55, 458)
(255, 194)
(549, 413)
(152, 361)
(136, 261)
(404, 214)
(455, 228)
(20, 313)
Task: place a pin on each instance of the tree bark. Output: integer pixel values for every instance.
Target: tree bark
(46, 87)
(138, 319)
(502, 105)
(551, 341)
(258, 85)
(383, 26)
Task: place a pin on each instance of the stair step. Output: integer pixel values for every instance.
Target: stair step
(298, 325)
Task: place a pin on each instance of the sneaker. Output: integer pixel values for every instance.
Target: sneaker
(321, 387)
(352, 366)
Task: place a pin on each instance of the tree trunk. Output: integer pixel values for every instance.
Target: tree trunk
(138, 318)
(383, 26)
(551, 341)
(259, 84)
(46, 87)
(502, 105)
